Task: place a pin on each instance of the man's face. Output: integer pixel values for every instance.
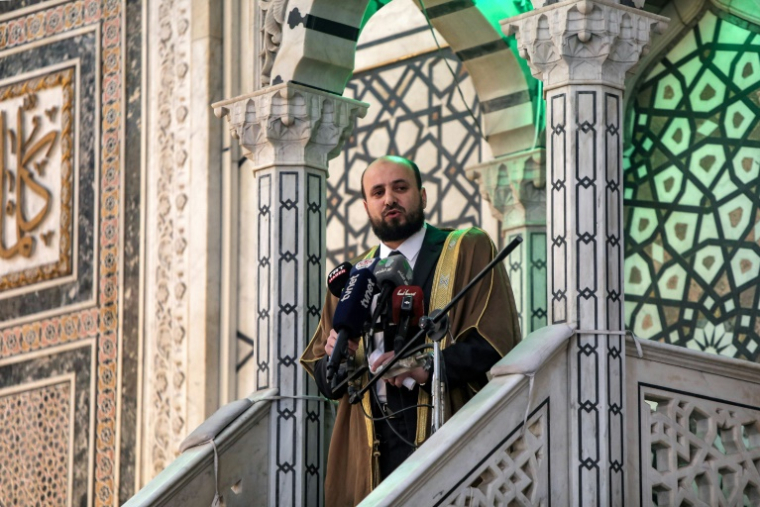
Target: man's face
(393, 202)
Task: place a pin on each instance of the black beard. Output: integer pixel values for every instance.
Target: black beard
(396, 231)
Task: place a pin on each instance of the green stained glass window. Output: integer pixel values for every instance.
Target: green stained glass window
(692, 267)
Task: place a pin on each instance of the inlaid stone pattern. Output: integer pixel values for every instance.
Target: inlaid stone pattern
(75, 53)
(516, 473)
(36, 179)
(35, 428)
(416, 112)
(692, 189)
(699, 452)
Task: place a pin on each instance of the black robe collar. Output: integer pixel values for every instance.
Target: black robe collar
(424, 268)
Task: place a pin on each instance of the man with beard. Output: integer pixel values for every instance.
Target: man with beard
(483, 327)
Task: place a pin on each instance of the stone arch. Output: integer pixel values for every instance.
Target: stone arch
(318, 44)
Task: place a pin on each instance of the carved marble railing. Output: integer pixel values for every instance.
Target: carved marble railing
(692, 434)
(243, 458)
(485, 454)
(693, 424)
(692, 431)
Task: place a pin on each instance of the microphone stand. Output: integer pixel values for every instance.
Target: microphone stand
(435, 326)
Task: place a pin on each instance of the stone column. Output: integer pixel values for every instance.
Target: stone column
(582, 50)
(514, 186)
(290, 132)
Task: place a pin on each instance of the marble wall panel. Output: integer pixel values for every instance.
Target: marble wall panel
(63, 75)
(74, 335)
(46, 426)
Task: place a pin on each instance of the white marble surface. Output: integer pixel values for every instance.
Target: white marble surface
(243, 449)
(379, 42)
(456, 452)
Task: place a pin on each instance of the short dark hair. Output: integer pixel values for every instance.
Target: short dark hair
(396, 160)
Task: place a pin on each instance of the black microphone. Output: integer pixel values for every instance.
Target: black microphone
(390, 273)
(352, 312)
(338, 277)
(408, 304)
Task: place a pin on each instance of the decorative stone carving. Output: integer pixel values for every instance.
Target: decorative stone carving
(697, 451)
(37, 419)
(515, 187)
(167, 305)
(36, 179)
(272, 16)
(516, 474)
(290, 124)
(583, 42)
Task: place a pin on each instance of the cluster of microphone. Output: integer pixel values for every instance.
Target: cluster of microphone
(399, 304)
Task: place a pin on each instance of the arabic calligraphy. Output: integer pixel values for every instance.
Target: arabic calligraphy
(18, 186)
(38, 179)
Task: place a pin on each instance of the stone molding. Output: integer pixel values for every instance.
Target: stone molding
(167, 306)
(515, 187)
(290, 125)
(583, 41)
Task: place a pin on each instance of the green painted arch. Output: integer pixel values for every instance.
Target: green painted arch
(319, 44)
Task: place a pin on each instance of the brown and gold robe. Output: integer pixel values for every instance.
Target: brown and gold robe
(487, 310)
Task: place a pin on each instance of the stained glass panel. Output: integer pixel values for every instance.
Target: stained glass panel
(692, 265)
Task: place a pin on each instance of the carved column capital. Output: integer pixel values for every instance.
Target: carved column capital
(583, 41)
(514, 185)
(290, 124)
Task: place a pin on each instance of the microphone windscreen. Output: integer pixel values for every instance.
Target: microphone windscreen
(355, 303)
(338, 277)
(393, 270)
(413, 294)
(365, 264)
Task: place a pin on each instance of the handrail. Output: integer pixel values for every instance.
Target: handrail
(484, 412)
(194, 461)
(696, 360)
(534, 351)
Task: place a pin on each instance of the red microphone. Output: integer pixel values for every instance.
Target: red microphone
(408, 305)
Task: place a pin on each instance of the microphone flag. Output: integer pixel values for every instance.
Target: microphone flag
(352, 312)
(338, 277)
(407, 303)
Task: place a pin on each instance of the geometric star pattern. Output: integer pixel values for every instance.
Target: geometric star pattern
(702, 452)
(692, 216)
(415, 112)
(516, 473)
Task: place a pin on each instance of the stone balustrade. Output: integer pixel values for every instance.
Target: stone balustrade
(243, 457)
(692, 431)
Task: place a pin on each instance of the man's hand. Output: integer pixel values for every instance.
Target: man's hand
(330, 345)
(418, 374)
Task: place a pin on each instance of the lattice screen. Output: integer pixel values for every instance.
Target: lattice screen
(696, 451)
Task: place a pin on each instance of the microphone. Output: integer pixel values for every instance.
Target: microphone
(366, 264)
(352, 312)
(390, 273)
(408, 307)
(338, 277)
